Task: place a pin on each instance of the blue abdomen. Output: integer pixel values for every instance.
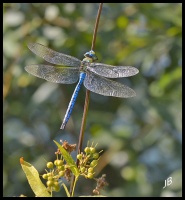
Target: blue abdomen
(73, 100)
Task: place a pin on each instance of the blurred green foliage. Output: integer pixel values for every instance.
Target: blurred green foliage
(141, 136)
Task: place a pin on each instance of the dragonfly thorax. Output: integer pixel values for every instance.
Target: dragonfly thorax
(84, 64)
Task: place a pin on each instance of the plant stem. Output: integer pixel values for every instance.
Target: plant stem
(96, 26)
(86, 106)
(75, 180)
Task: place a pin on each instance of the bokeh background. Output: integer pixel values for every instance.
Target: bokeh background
(141, 137)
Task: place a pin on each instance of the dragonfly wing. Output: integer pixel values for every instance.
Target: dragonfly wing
(110, 71)
(52, 56)
(106, 87)
(54, 74)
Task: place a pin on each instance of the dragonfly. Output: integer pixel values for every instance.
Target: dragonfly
(68, 70)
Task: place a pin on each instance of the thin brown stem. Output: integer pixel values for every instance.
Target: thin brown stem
(96, 26)
(87, 97)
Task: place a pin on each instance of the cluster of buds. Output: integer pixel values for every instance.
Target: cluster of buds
(88, 161)
(58, 169)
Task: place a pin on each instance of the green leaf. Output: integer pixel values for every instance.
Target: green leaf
(34, 180)
(69, 160)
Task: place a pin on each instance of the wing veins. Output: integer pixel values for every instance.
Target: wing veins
(66, 75)
(106, 87)
(110, 71)
(52, 56)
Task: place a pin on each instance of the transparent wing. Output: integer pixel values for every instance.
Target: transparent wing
(110, 71)
(54, 74)
(52, 56)
(107, 87)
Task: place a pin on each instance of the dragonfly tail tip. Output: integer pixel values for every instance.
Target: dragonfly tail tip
(62, 126)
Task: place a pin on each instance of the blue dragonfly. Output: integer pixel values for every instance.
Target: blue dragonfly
(68, 70)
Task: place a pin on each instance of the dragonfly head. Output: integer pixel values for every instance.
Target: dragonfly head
(91, 54)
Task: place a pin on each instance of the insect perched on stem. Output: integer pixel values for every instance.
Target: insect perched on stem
(68, 70)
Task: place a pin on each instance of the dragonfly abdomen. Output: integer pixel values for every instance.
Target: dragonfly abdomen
(73, 100)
